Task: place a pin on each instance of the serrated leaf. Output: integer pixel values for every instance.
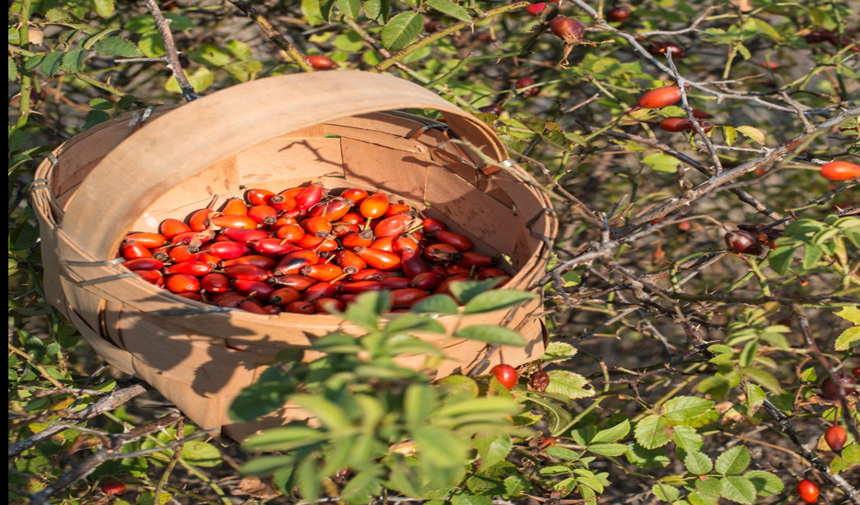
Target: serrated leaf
(200, 453)
(608, 449)
(104, 8)
(687, 439)
(377, 10)
(50, 64)
(665, 492)
(568, 384)
(350, 8)
(449, 8)
(780, 258)
(851, 314)
(685, 408)
(753, 133)
(401, 30)
(73, 61)
(733, 461)
(493, 449)
(497, 300)
(848, 338)
(698, 463)
(201, 79)
(557, 417)
(652, 432)
(492, 335)
(612, 434)
(647, 458)
(662, 163)
(755, 398)
(558, 351)
(116, 46)
(731, 135)
(766, 483)
(738, 490)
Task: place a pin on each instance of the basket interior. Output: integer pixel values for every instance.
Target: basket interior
(386, 151)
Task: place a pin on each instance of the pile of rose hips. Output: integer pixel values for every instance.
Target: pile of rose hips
(305, 251)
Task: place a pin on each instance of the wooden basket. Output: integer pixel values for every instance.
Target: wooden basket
(341, 128)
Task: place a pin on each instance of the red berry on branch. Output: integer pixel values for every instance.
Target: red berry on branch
(491, 109)
(113, 487)
(836, 436)
(618, 14)
(506, 375)
(567, 29)
(840, 170)
(659, 97)
(808, 491)
(675, 50)
(743, 242)
(525, 82)
(321, 62)
(830, 390)
(536, 9)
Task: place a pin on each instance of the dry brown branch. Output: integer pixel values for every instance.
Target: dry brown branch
(163, 25)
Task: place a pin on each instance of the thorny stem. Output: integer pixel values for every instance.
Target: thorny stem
(290, 51)
(163, 25)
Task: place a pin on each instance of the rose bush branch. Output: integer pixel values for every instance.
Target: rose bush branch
(290, 51)
(163, 25)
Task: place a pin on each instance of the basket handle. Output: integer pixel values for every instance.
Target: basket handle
(184, 142)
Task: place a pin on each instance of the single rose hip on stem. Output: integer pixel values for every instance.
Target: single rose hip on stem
(808, 491)
(505, 374)
(569, 30)
(836, 436)
(840, 170)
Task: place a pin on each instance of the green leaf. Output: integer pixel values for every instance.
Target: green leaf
(283, 439)
(568, 384)
(780, 258)
(738, 490)
(766, 483)
(851, 314)
(755, 398)
(207, 54)
(101, 104)
(493, 449)
(608, 449)
(492, 335)
(709, 489)
(152, 45)
(459, 385)
(443, 448)
(612, 434)
(747, 355)
(201, 453)
(497, 300)
(665, 493)
(116, 46)
(350, 8)
(408, 323)
(766, 379)
(558, 351)
(687, 439)
(104, 8)
(377, 10)
(73, 61)
(449, 8)
(436, 304)
(485, 405)
(652, 432)
(647, 458)
(686, 408)
(178, 22)
(418, 402)
(753, 133)
(556, 417)
(662, 163)
(698, 463)
(733, 461)
(50, 64)
(329, 414)
(401, 30)
(201, 79)
(140, 24)
(848, 338)
(731, 135)
(465, 291)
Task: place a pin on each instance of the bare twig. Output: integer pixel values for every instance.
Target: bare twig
(290, 51)
(163, 25)
(105, 404)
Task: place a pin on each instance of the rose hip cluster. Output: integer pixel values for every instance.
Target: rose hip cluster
(305, 251)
